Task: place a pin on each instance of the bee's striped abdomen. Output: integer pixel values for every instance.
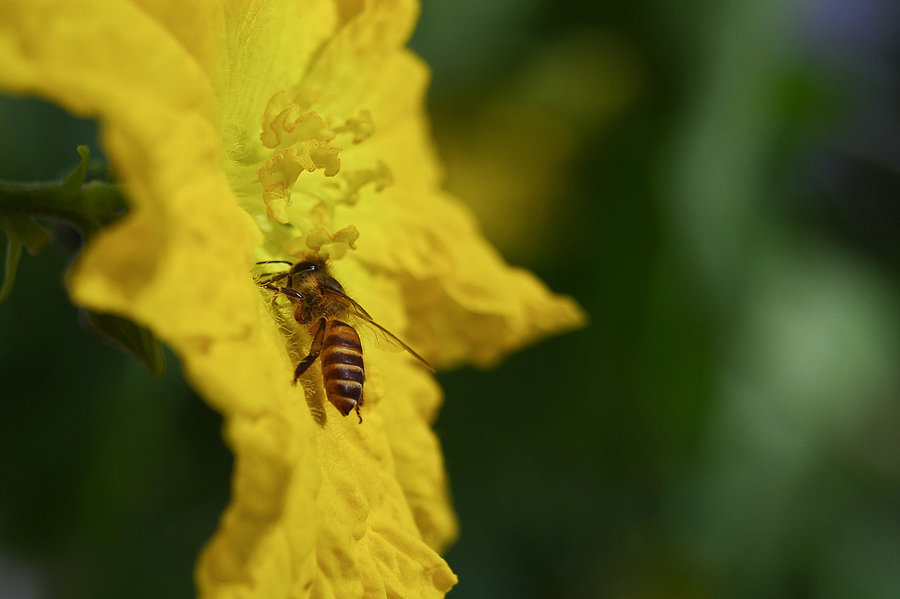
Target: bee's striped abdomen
(343, 372)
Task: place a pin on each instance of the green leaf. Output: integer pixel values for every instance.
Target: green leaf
(72, 184)
(13, 254)
(20, 231)
(127, 336)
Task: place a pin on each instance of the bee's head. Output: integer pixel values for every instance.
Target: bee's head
(317, 270)
(307, 271)
(301, 267)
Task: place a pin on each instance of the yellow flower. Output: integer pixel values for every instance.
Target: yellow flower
(250, 130)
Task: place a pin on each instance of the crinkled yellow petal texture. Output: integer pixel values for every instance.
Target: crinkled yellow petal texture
(250, 130)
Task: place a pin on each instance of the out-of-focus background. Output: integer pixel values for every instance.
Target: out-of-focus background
(718, 184)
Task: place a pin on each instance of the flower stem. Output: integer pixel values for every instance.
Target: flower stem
(88, 207)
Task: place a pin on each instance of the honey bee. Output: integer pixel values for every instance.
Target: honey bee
(321, 305)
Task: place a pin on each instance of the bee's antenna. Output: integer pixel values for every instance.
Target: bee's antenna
(275, 262)
(272, 276)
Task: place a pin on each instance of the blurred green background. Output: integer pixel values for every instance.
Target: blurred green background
(717, 183)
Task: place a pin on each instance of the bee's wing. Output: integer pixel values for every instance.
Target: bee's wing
(360, 313)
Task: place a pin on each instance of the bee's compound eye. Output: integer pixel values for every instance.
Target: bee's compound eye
(304, 266)
(332, 283)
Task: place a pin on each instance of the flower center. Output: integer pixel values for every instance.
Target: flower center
(301, 141)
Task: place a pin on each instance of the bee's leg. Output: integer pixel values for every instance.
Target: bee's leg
(298, 311)
(272, 287)
(314, 351)
(358, 415)
(291, 293)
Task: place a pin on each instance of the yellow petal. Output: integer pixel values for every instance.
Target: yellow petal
(317, 509)
(467, 304)
(269, 45)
